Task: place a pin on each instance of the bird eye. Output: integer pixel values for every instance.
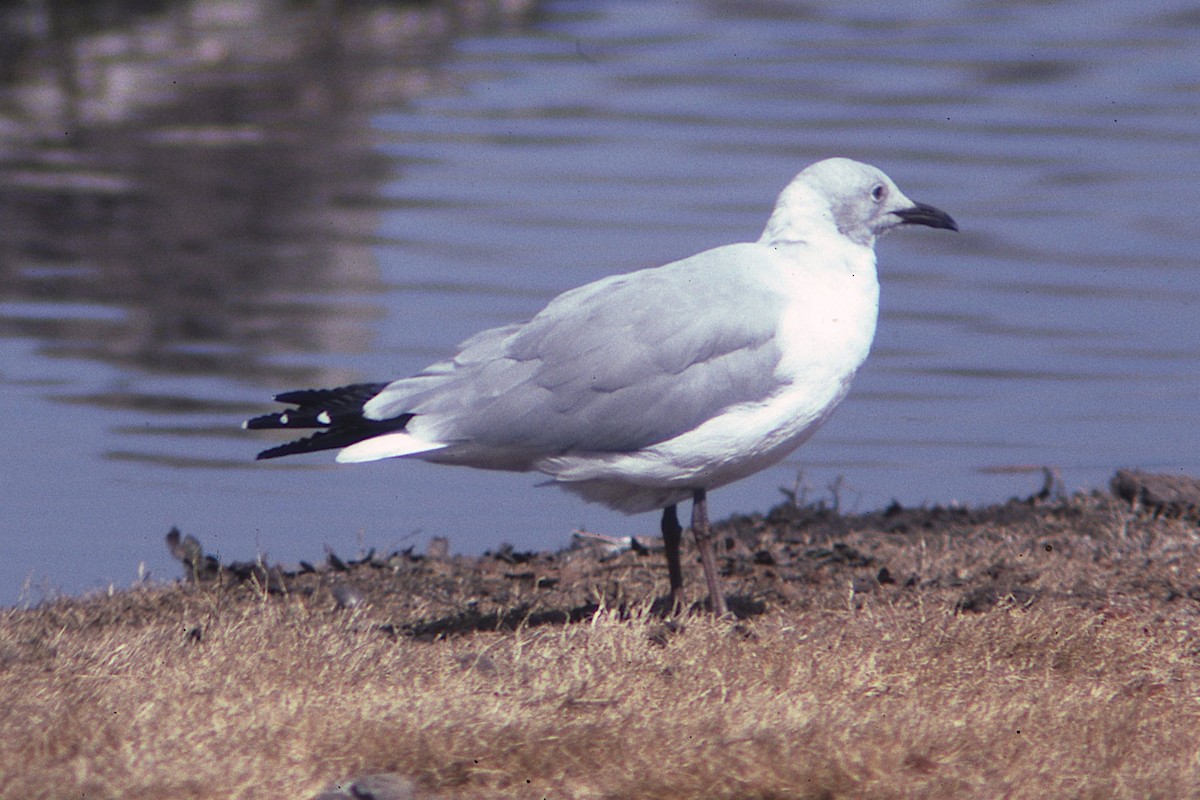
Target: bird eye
(878, 192)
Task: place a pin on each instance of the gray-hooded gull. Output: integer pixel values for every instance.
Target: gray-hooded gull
(641, 390)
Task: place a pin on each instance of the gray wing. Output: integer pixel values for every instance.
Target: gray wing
(613, 366)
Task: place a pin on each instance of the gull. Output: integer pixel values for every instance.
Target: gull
(645, 389)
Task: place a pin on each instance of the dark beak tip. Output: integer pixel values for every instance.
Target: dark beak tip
(924, 214)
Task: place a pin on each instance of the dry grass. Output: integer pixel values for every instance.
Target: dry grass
(1083, 684)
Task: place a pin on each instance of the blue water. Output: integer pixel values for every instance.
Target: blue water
(181, 236)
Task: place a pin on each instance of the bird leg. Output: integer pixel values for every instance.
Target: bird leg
(672, 534)
(704, 542)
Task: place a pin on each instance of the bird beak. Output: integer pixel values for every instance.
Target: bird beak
(922, 214)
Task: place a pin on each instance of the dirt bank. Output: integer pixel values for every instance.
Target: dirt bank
(1045, 646)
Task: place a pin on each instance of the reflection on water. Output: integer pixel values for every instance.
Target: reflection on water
(205, 202)
(204, 174)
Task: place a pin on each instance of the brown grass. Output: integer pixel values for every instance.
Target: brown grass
(984, 665)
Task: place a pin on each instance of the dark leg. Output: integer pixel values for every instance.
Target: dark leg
(672, 533)
(708, 559)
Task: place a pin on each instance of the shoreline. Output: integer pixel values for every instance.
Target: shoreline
(873, 655)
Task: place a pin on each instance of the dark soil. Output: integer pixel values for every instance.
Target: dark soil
(1095, 550)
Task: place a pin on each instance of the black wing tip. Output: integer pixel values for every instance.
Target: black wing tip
(262, 423)
(317, 408)
(350, 394)
(299, 397)
(321, 440)
(338, 413)
(336, 438)
(288, 449)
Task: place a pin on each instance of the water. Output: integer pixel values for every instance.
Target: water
(207, 204)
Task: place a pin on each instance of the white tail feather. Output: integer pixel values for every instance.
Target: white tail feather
(389, 445)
